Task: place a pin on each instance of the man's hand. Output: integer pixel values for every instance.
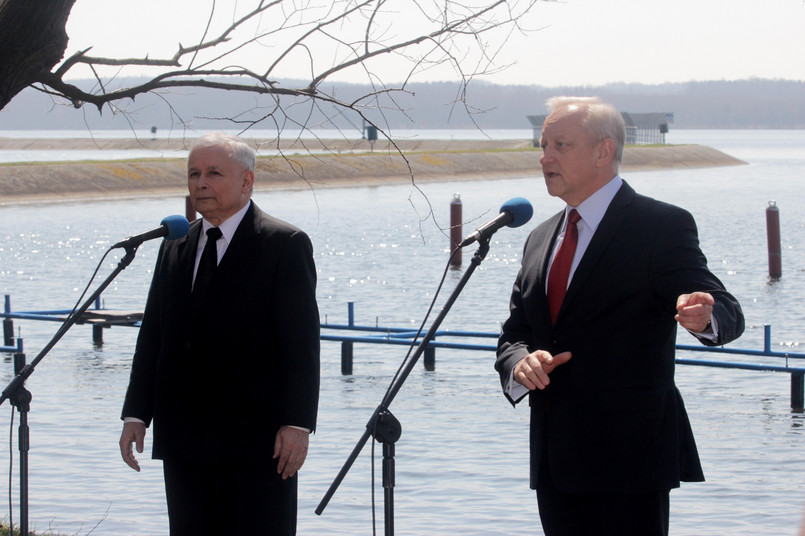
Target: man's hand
(290, 448)
(532, 371)
(694, 311)
(133, 432)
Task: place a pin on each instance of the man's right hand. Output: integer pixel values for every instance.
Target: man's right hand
(133, 432)
(532, 371)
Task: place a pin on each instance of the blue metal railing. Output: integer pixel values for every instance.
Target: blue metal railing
(350, 334)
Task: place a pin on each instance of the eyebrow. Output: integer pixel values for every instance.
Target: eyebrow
(196, 168)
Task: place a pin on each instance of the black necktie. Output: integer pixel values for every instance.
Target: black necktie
(208, 263)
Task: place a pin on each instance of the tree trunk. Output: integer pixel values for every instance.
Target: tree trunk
(32, 41)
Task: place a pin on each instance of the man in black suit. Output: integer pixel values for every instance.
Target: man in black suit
(227, 359)
(592, 343)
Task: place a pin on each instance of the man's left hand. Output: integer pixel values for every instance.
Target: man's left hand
(290, 449)
(694, 311)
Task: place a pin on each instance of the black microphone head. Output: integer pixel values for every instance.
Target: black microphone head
(520, 210)
(178, 226)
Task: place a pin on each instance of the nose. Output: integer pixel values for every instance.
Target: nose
(201, 182)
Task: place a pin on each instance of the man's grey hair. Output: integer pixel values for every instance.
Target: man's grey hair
(239, 151)
(602, 119)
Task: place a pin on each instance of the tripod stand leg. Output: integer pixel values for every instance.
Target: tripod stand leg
(21, 399)
(388, 486)
(24, 438)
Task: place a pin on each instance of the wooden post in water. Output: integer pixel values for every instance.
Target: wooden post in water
(346, 358)
(773, 237)
(348, 347)
(97, 329)
(430, 358)
(455, 228)
(8, 324)
(8, 332)
(798, 392)
(97, 335)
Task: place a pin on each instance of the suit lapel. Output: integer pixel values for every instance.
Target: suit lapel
(542, 241)
(612, 221)
(545, 248)
(231, 259)
(187, 255)
(187, 262)
(237, 253)
(240, 244)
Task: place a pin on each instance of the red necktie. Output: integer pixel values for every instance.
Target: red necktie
(560, 269)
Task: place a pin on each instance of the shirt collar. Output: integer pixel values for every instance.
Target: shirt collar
(593, 208)
(229, 226)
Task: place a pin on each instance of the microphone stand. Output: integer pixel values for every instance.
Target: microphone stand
(382, 425)
(19, 397)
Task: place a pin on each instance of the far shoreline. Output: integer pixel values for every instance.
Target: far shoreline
(299, 167)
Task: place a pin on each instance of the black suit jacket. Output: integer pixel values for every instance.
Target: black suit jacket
(612, 419)
(220, 377)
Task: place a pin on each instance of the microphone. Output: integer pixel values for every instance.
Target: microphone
(172, 227)
(513, 213)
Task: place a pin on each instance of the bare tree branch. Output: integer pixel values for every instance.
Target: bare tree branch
(252, 49)
(449, 21)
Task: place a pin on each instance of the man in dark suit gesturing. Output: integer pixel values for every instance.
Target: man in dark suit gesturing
(592, 330)
(227, 359)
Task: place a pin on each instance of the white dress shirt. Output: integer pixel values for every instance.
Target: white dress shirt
(592, 211)
(228, 228)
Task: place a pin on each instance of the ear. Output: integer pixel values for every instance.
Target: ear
(605, 152)
(248, 181)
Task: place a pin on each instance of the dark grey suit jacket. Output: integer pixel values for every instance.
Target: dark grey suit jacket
(612, 419)
(219, 377)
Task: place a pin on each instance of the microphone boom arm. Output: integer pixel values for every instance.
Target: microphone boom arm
(483, 249)
(28, 369)
(20, 398)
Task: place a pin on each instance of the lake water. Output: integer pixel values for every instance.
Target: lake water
(462, 458)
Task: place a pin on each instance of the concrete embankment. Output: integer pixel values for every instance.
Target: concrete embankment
(308, 165)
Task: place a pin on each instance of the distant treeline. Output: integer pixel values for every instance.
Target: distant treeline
(742, 104)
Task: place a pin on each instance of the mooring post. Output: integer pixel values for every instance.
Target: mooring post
(430, 358)
(797, 378)
(347, 347)
(8, 324)
(773, 238)
(346, 358)
(797, 392)
(455, 228)
(97, 329)
(8, 332)
(97, 334)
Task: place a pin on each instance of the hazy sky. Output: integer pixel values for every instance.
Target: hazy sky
(579, 42)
